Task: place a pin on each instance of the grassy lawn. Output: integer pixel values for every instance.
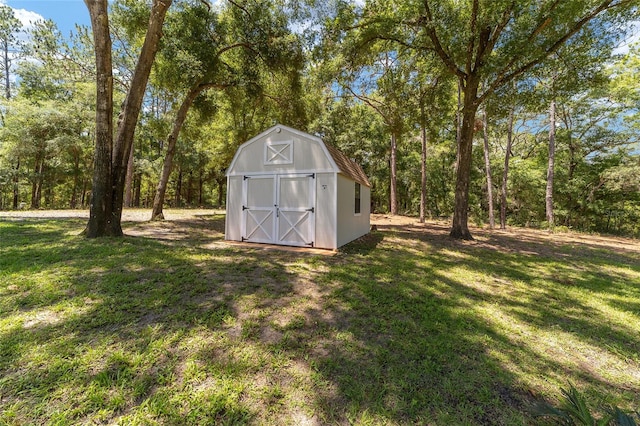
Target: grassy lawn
(169, 325)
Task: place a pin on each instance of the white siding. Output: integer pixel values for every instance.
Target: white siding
(326, 211)
(351, 225)
(233, 222)
(288, 151)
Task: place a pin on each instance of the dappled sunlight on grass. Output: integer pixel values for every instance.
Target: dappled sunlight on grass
(402, 326)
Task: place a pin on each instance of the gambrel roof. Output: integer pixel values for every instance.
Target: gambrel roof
(347, 166)
(334, 159)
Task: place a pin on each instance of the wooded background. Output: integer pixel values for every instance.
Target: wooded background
(529, 109)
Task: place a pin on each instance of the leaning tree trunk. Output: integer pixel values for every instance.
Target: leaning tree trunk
(550, 167)
(132, 106)
(487, 166)
(172, 139)
(393, 187)
(111, 158)
(460, 227)
(505, 172)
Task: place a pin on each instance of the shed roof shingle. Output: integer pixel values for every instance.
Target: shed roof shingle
(348, 166)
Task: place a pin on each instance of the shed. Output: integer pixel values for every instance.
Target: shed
(290, 188)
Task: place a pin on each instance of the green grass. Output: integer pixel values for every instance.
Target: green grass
(404, 326)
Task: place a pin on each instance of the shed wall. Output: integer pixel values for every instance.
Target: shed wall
(351, 225)
(326, 211)
(233, 220)
(335, 220)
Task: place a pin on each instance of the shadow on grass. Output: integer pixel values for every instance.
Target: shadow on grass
(413, 346)
(102, 326)
(393, 329)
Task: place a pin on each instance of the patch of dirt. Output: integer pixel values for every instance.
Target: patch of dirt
(128, 215)
(513, 239)
(45, 317)
(206, 226)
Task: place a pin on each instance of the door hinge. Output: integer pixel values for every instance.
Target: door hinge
(312, 210)
(312, 176)
(245, 177)
(245, 208)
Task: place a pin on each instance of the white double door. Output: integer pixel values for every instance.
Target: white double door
(279, 209)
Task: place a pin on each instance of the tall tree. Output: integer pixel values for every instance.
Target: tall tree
(112, 156)
(430, 90)
(211, 50)
(548, 199)
(385, 91)
(10, 26)
(487, 168)
(492, 42)
(505, 170)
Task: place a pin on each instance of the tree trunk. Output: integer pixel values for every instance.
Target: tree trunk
(423, 171)
(132, 106)
(128, 183)
(393, 190)
(172, 139)
(550, 167)
(200, 188)
(16, 187)
(100, 211)
(36, 191)
(179, 188)
(138, 188)
(73, 200)
(458, 124)
(190, 189)
(7, 79)
(572, 205)
(48, 183)
(505, 172)
(460, 227)
(487, 167)
(221, 183)
(111, 158)
(83, 201)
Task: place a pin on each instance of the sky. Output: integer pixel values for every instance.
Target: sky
(65, 13)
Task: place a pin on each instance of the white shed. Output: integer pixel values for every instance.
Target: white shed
(290, 188)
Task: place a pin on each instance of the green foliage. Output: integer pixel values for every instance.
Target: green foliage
(624, 88)
(574, 410)
(47, 143)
